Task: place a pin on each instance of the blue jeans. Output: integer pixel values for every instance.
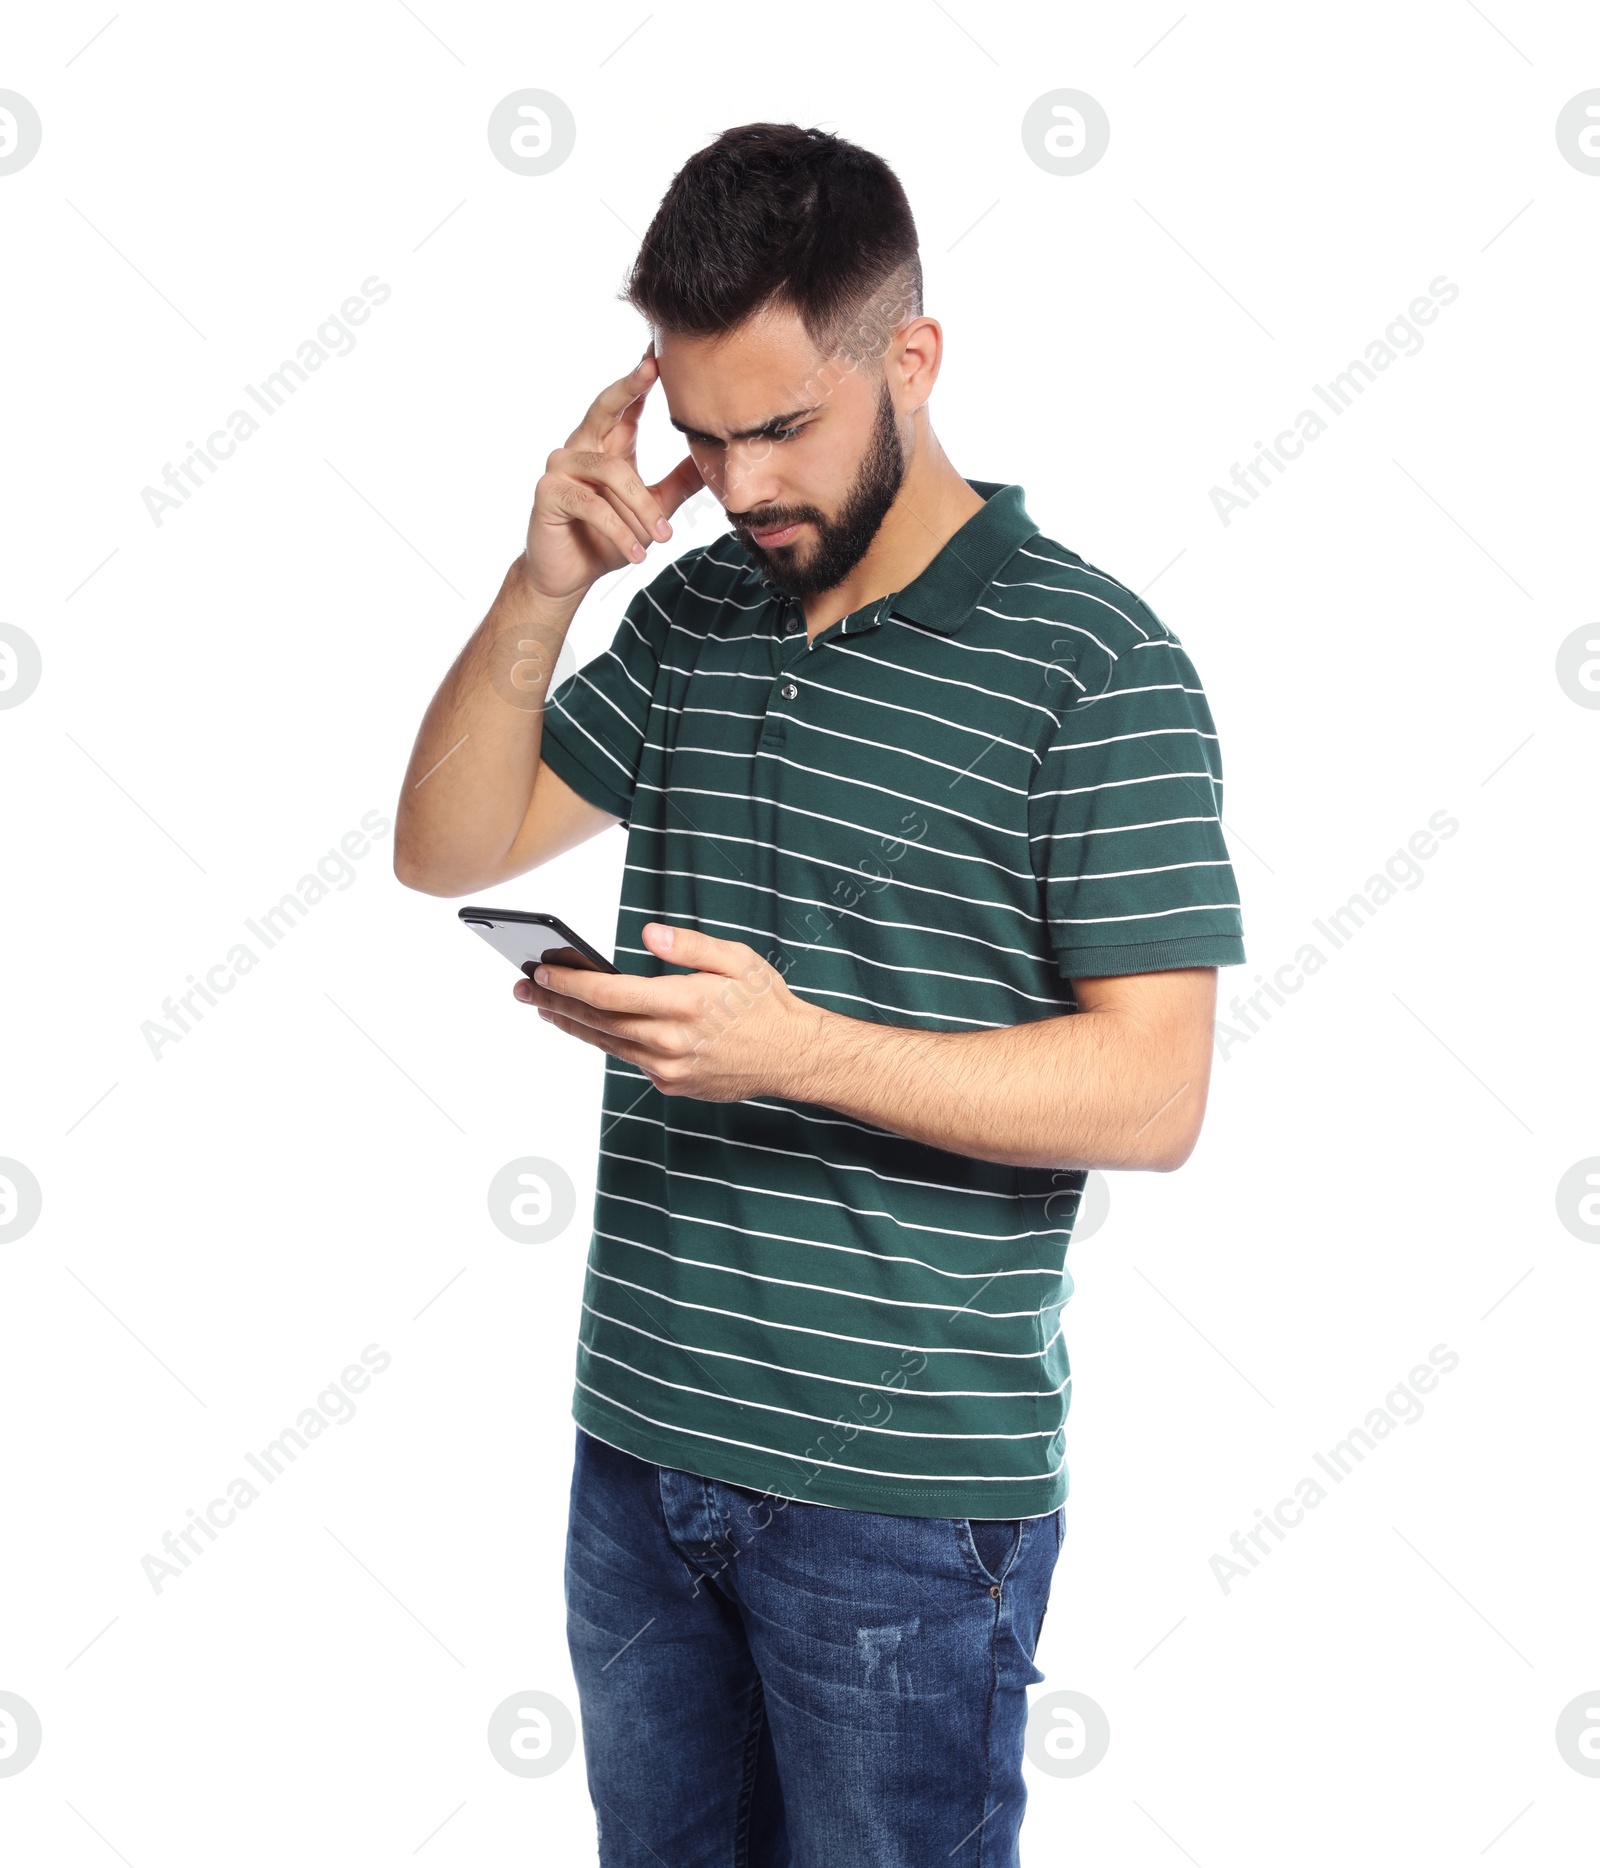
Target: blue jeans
(771, 1684)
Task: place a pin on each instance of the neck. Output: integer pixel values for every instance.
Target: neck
(933, 504)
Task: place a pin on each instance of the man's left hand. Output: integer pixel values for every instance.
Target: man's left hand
(728, 1030)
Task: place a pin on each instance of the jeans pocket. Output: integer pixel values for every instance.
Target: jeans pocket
(995, 1542)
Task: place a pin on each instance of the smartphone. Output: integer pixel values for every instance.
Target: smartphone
(528, 939)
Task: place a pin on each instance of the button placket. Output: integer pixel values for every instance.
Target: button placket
(793, 624)
(790, 623)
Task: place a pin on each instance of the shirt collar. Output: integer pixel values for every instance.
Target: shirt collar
(944, 593)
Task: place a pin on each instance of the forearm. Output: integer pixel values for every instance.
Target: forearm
(1089, 1089)
(472, 769)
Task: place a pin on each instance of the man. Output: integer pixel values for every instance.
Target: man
(924, 897)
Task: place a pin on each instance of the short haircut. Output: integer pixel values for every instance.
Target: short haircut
(774, 216)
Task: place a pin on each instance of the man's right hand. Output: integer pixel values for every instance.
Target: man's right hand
(478, 803)
(592, 513)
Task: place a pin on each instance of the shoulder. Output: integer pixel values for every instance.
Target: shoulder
(1066, 587)
(1099, 632)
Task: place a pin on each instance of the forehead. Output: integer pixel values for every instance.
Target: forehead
(765, 367)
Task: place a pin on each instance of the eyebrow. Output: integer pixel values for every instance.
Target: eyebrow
(768, 427)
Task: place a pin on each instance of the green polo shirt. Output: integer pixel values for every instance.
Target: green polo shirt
(937, 814)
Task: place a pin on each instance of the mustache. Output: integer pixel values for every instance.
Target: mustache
(748, 524)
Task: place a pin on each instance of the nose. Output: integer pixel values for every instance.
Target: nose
(747, 483)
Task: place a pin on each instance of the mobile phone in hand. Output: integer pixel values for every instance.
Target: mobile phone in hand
(529, 940)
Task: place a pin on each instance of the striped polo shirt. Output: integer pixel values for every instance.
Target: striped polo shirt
(936, 814)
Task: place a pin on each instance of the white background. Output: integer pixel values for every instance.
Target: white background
(224, 695)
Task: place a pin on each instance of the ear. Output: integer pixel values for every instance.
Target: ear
(918, 352)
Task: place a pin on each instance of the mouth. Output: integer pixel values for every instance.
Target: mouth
(778, 535)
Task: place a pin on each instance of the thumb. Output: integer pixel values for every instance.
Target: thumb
(689, 947)
(682, 483)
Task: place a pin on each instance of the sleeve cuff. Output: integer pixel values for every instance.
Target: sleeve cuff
(569, 767)
(1151, 956)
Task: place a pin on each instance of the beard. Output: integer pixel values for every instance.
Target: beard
(841, 542)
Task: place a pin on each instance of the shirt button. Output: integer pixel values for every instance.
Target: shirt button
(789, 690)
(791, 626)
(994, 1590)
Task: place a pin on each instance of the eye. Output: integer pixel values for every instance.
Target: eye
(788, 434)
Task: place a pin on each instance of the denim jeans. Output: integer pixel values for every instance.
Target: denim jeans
(771, 1684)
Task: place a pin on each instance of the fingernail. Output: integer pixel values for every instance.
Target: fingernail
(663, 530)
(637, 552)
(542, 975)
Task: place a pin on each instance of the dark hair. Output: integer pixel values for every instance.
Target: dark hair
(771, 214)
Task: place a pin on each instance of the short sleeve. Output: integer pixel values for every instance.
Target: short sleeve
(595, 722)
(1125, 822)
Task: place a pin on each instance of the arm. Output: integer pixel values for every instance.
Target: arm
(1120, 1083)
(478, 805)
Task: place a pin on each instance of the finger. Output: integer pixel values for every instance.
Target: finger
(637, 1054)
(654, 1032)
(605, 992)
(730, 958)
(609, 473)
(622, 436)
(576, 1029)
(682, 483)
(561, 500)
(652, 1037)
(609, 405)
(618, 480)
(547, 999)
(627, 515)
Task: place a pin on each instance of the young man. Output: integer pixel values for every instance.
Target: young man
(925, 891)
